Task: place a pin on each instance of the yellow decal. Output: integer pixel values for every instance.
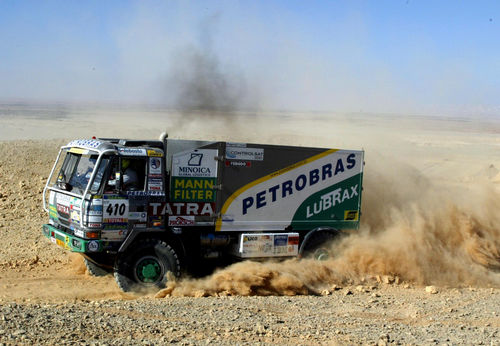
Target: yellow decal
(154, 153)
(351, 215)
(238, 192)
(78, 151)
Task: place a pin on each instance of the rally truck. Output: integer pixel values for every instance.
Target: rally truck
(193, 200)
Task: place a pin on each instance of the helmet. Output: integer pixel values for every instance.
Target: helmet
(125, 163)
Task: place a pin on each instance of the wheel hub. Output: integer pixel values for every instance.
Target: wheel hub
(321, 254)
(149, 270)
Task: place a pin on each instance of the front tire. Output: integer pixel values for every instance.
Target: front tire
(94, 269)
(145, 265)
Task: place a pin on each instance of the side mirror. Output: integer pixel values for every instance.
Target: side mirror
(64, 186)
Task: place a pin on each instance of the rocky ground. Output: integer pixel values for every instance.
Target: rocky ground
(47, 298)
(352, 315)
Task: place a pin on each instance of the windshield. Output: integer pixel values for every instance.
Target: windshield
(77, 169)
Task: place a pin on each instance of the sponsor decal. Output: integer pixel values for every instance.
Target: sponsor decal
(53, 211)
(268, 245)
(331, 199)
(63, 199)
(181, 208)
(137, 215)
(154, 153)
(117, 234)
(155, 187)
(93, 218)
(250, 238)
(79, 151)
(239, 153)
(297, 183)
(96, 205)
(64, 244)
(132, 151)
(94, 212)
(293, 240)
(193, 189)
(155, 184)
(116, 220)
(115, 210)
(113, 225)
(87, 143)
(339, 202)
(75, 216)
(156, 221)
(93, 245)
(351, 215)
(79, 233)
(195, 163)
(195, 159)
(181, 220)
(145, 193)
(279, 199)
(154, 166)
(280, 240)
(256, 245)
(237, 145)
(63, 209)
(238, 163)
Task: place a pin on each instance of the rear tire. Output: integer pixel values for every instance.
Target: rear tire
(94, 269)
(318, 245)
(145, 265)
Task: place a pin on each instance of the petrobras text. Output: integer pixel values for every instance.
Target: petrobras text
(301, 182)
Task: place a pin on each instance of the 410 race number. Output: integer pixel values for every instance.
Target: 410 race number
(119, 209)
(115, 209)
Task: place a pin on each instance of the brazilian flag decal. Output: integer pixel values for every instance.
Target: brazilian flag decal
(336, 206)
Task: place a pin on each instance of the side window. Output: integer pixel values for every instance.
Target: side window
(100, 174)
(110, 186)
(133, 171)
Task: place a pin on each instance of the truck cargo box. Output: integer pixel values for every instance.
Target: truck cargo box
(255, 187)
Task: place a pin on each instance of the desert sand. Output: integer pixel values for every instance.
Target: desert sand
(430, 217)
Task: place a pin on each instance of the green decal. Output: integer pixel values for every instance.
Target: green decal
(53, 212)
(193, 189)
(336, 206)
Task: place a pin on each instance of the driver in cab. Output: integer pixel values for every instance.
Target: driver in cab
(130, 180)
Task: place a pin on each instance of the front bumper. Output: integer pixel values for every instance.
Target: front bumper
(70, 242)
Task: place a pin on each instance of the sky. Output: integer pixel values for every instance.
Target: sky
(411, 57)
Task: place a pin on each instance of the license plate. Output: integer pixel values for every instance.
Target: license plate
(60, 243)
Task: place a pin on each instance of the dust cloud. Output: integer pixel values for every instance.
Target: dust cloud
(414, 230)
(76, 264)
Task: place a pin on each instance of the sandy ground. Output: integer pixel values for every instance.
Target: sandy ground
(430, 217)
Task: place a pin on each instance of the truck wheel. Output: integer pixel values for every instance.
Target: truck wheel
(317, 246)
(94, 269)
(145, 265)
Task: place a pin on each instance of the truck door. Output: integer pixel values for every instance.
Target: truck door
(125, 199)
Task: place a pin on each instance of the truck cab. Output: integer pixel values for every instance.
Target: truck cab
(91, 201)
